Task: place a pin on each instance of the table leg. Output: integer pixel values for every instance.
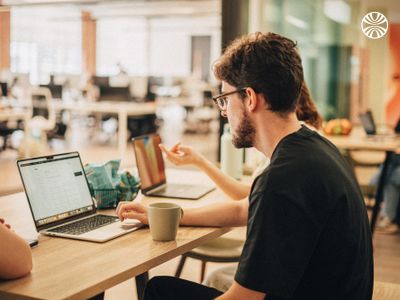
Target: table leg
(141, 281)
(380, 188)
(122, 132)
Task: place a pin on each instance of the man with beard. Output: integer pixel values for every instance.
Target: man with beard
(307, 229)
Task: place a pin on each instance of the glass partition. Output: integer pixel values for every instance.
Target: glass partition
(326, 32)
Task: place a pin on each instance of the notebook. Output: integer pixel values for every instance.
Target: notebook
(150, 165)
(60, 201)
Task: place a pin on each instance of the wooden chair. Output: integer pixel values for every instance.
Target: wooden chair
(43, 120)
(220, 250)
(365, 164)
(42, 101)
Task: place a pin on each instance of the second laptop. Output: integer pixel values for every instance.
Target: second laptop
(150, 165)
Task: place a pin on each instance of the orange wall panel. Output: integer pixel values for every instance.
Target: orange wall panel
(88, 44)
(393, 104)
(4, 38)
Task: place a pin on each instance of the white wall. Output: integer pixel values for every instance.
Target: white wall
(153, 46)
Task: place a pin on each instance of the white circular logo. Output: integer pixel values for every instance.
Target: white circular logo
(374, 25)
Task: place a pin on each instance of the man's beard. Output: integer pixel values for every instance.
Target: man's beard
(243, 137)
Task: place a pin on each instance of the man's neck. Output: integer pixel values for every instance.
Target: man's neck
(271, 129)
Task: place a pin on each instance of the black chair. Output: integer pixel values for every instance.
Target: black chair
(5, 132)
(140, 125)
(110, 93)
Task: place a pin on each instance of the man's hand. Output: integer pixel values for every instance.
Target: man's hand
(182, 155)
(131, 210)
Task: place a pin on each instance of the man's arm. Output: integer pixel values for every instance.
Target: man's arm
(15, 255)
(238, 292)
(234, 189)
(184, 155)
(225, 214)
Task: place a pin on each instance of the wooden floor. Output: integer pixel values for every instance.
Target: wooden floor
(386, 248)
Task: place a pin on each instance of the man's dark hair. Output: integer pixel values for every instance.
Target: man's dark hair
(269, 63)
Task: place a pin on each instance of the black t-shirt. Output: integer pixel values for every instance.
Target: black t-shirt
(308, 234)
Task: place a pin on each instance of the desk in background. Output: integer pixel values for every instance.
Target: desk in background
(122, 109)
(66, 268)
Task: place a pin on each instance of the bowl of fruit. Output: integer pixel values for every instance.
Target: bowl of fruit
(338, 127)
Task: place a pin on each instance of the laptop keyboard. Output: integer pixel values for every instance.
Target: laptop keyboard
(85, 225)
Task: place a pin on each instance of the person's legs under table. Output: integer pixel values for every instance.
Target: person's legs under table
(392, 194)
(172, 288)
(380, 188)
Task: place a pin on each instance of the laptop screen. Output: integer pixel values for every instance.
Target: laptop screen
(56, 187)
(368, 123)
(149, 161)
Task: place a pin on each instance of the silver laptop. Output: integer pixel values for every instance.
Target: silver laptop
(61, 205)
(150, 165)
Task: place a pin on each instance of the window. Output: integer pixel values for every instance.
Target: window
(46, 40)
(157, 46)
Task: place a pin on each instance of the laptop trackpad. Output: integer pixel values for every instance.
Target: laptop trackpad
(116, 228)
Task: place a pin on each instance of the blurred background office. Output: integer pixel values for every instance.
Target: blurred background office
(88, 75)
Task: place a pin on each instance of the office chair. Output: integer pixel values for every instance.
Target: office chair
(5, 132)
(43, 113)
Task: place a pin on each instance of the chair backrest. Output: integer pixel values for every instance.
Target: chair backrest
(42, 100)
(109, 93)
(138, 87)
(55, 90)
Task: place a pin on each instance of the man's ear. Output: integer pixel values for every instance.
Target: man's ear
(253, 100)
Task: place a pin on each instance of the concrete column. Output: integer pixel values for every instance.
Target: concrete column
(235, 23)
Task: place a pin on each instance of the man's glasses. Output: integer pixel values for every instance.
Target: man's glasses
(222, 99)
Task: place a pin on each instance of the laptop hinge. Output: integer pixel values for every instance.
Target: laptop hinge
(66, 223)
(156, 189)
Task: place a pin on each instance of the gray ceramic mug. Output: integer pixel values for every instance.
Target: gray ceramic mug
(164, 220)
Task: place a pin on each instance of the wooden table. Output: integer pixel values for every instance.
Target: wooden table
(123, 110)
(14, 115)
(386, 291)
(376, 143)
(66, 268)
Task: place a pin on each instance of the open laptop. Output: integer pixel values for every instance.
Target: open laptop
(150, 165)
(61, 205)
